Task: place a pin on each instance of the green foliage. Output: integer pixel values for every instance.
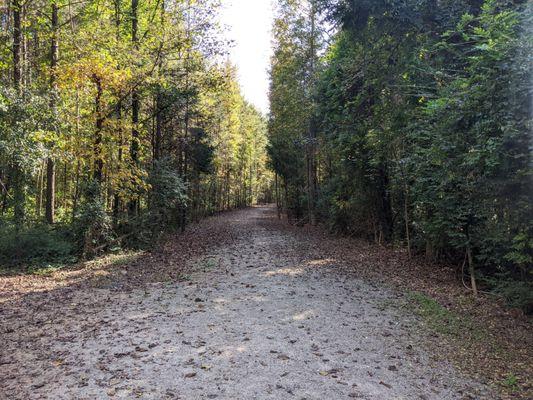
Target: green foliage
(521, 252)
(518, 294)
(424, 121)
(441, 319)
(202, 153)
(511, 381)
(23, 118)
(297, 41)
(168, 196)
(92, 225)
(35, 246)
(136, 114)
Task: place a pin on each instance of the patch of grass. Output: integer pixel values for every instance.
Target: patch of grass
(207, 264)
(475, 349)
(117, 259)
(511, 382)
(442, 320)
(121, 259)
(49, 269)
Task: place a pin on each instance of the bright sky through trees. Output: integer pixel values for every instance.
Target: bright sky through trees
(250, 23)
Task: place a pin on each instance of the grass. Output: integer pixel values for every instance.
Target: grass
(35, 246)
(207, 264)
(39, 268)
(43, 268)
(511, 382)
(469, 341)
(46, 270)
(118, 259)
(444, 321)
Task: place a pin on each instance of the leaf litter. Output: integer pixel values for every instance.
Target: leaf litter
(279, 311)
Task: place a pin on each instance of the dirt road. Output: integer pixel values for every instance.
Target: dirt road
(260, 316)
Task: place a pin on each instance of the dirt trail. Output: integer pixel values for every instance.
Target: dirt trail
(260, 317)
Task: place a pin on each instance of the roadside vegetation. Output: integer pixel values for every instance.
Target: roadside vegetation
(119, 122)
(408, 123)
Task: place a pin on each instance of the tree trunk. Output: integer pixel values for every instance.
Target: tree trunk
(278, 202)
(384, 205)
(158, 127)
(40, 183)
(17, 44)
(311, 174)
(471, 270)
(311, 145)
(17, 174)
(406, 217)
(97, 149)
(471, 267)
(135, 104)
(76, 190)
(159, 100)
(134, 149)
(116, 197)
(288, 205)
(50, 190)
(183, 214)
(50, 165)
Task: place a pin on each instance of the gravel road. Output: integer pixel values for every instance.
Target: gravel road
(261, 317)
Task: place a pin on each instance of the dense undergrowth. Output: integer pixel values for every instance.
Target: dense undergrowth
(409, 123)
(135, 128)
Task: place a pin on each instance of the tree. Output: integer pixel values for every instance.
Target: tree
(292, 128)
(137, 106)
(422, 115)
(17, 173)
(54, 58)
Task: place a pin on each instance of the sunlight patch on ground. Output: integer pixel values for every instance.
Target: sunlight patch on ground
(140, 316)
(321, 263)
(294, 271)
(116, 260)
(302, 316)
(221, 303)
(230, 351)
(285, 271)
(16, 286)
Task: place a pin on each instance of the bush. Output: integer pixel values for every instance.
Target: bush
(517, 294)
(92, 226)
(168, 197)
(36, 245)
(166, 208)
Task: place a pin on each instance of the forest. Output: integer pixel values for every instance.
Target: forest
(167, 234)
(409, 123)
(119, 121)
(403, 122)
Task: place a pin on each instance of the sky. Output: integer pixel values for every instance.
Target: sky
(249, 25)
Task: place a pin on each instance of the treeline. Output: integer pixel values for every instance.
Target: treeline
(119, 120)
(409, 122)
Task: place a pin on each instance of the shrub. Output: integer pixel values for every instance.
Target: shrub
(168, 197)
(36, 245)
(517, 294)
(92, 226)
